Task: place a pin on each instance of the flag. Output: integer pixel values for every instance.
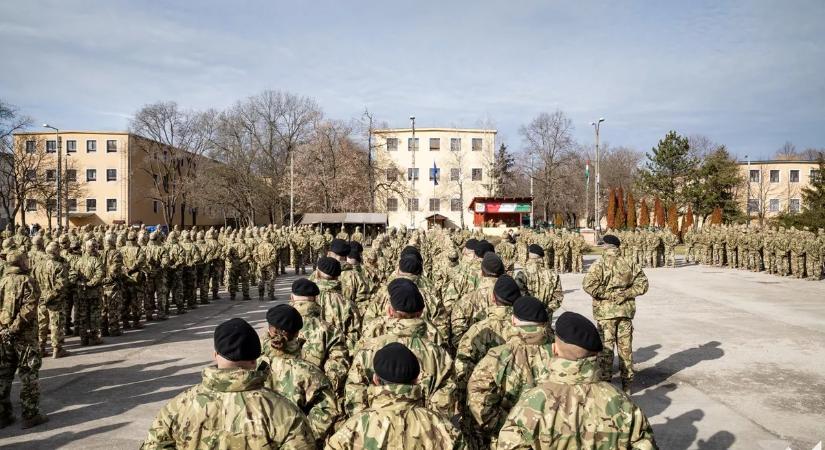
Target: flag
(434, 174)
(587, 170)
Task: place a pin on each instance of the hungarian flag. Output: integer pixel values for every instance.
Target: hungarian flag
(587, 170)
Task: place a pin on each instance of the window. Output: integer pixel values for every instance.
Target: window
(51, 204)
(753, 205)
(91, 205)
(412, 173)
(413, 204)
(412, 146)
(794, 176)
(435, 174)
(392, 204)
(773, 205)
(111, 204)
(31, 175)
(476, 144)
(813, 176)
(91, 175)
(392, 174)
(111, 146)
(455, 144)
(51, 146)
(774, 176)
(754, 176)
(435, 204)
(71, 146)
(155, 206)
(455, 174)
(72, 204)
(392, 144)
(476, 174)
(111, 174)
(31, 146)
(50, 174)
(794, 206)
(455, 204)
(91, 146)
(71, 175)
(31, 204)
(435, 144)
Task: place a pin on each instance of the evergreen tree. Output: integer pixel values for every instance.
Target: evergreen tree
(631, 211)
(611, 209)
(659, 213)
(670, 169)
(621, 215)
(715, 185)
(813, 201)
(673, 219)
(644, 215)
(687, 220)
(502, 173)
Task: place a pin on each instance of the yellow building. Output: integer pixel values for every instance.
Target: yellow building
(110, 177)
(436, 176)
(775, 187)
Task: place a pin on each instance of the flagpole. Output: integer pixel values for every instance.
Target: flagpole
(587, 193)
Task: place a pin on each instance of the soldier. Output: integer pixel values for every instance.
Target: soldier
(540, 282)
(215, 261)
(134, 266)
(473, 306)
(396, 418)
(237, 263)
(52, 277)
(577, 249)
(506, 249)
(156, 263)
(814, 249)
(112, 301)
(188, 269)
(265, 257)
(353, 284)
(18, 340)
(202, 269)
(573, 409)
(437, 379)
(174, 272)
(614, 283)
(300, 381)
(335, 309)
(670, 241)
(91, 276)
(357, 236)
(206, 415)
(70, 251)
(510, 369)
(297, 247)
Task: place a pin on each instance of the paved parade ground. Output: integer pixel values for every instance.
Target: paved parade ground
(725, 359)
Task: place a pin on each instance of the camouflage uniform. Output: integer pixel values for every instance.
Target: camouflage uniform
(231, 408)
(214, 261)
(52, 277)
(188, 270)
(156, 263)
(396, 420)
(112, 300)
(434, 310)
(265, 259)
(542, 283)
(614, 283)
(470, 309)
(134, 264)
(480, 338)
(237, 265)
(572, 409)
(91, 276)
(335, 310)
(670, 240)
(174, 276)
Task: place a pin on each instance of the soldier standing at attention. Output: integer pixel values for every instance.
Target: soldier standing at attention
(52, 277)
(574, 408)
(207, 415)
(614, 283)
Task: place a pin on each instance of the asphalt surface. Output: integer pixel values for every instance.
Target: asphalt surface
(724, 359)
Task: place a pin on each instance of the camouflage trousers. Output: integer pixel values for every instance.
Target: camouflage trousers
(797, 264)
(202, 281)
(770, 262)
(732, 260)
(296, 260)
(782, 265)
(87, 314)
(238, 275)
(110, 307)
(741, 261)
(718, 255)
(174, 285)
(253, 273)
(559, 262)
(132, 309)
(187, 279)
(652, 258)
(68, 305)
(50, 323)
(215, 277)
(266, 281)
(578, 262)
(156, 296)
(23, 358)
(670, 257)
(283, 257)
(814, 268)
(617, 333)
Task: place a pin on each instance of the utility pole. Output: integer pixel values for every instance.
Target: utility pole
(59, 173)
(532, 202)
(413, 149)
(748, 201)
(597, 186)
(291, 188)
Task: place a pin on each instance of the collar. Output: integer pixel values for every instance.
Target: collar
(234, 380)
(307, 308)
(414, 327)
(530, 335)
(582, 371)
(500, 312)
(395, 396)
(328, 285)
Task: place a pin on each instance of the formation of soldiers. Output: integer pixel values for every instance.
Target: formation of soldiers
(778, 251)
(651, 247)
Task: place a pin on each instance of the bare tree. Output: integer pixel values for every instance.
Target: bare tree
(811, 154)
(45, 192)
(11, 121)
(787, 152)
(548, 140)
(22, 175)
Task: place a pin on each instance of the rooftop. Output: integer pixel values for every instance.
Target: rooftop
(430, 130)
(778, 161)
(49, 131)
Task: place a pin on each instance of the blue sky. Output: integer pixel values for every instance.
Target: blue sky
(749, 74)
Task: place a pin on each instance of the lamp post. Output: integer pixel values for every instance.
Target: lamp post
(291, 188)
(532, 202)
(597, 185)
(414, 149)
(59, 172)
(748, 201)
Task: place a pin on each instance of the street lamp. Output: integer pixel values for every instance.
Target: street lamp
(414, 149)
(532, 202)
(59, 171)
(596, 125)
(748, 201)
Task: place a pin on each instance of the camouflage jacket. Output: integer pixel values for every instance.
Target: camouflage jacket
(614, 283)
(396, 419)
(90, 271)
(354, 286)
(482, 336)
(434, 310)
(573, 409)
(18, 312)
(436, 377)
(387, 325)
(542, 283)
(505, 372)
(231, 408)
(134, 262)
(156, 258)
(304, 384)
(471, 308)
(52, 277)
(340, 313)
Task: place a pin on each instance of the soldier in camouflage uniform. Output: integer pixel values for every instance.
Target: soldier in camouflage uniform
(300, 381)
(573, 408)
(357, 236)
(237, 264)
(19, 350)
(472, 307)
(396, 418)
(206, 416)
(506, 249)
(265, 256)
(297, 248)
(214, 258)
(133, 280)
(174, 272)
(614, 283)
(112, 301)
(156, 263)
(335, 309)
(52, 277)
(188, 269)
(512, 368)
(91, 277)
(70, 251)
(670, 241)
(540, 282)
(814, 249)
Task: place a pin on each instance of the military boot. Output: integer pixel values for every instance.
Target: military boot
(60, 353)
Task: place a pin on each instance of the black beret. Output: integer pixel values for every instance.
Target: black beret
(340, 247)
(530, 309)
(236, 340)
(492, 264)
(395, 363)
(506, 289)
(405, 296)
(355, 245)
(355, 254)
(575, 329)
(536, 250)
(304, 287)
(286, 318)
(471, 244)
(329, 266)
(410, 250)
(612, 240)
(410, 264)
(482, 248)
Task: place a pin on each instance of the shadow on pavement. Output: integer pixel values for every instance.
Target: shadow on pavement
(677, 362)
(679, 433)
(65, 438)
(646, 353)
